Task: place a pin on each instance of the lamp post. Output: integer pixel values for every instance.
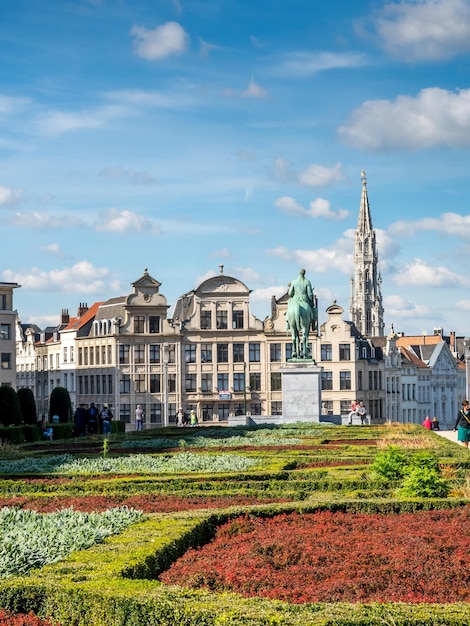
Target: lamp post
(244, 387)
(165, 384)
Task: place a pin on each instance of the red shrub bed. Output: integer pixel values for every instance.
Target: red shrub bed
(20, 619)
(146, 503)
(336, 557)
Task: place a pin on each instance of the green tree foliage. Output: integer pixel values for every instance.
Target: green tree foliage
(28, 406)
(391, 464)
(10, 410)
(60, 404)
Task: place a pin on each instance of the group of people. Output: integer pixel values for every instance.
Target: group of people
(183, 419)
(431, 424)
(91, 421)
(357, 409)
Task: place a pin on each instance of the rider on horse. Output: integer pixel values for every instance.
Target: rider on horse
(301, 313)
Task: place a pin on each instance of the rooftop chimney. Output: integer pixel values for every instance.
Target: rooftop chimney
(82, 309)
(64, 316)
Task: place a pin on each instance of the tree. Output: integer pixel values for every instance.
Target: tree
(60, 404)
(28, 406)
(10, 410)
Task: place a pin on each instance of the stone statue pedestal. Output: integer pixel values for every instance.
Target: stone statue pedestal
(301, 392)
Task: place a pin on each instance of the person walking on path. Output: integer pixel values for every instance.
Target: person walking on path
(193, 418)
(462, 424)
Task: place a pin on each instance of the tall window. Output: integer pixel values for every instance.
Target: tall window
(359, 379)
(221, 320)
(275, 352)
(276, 408)
(206, 352)
(345, 380)
(3, 302)
(139, 323)
(104, 378)
(206, 383)
(5, 332)
(223, 410)
(5, 361)
(222, 353)
(288, 351)
(156, 412)
(327, 380)
(276, 381)
(125, 413)
(239, 381)
(154, 324)
(190, 385)
(171, 383)
(344, 352)
(110, 383)
(72, 354)
(139, 353)
(328, 407)
(207, 412)
(326, 352)
(190, 353)
(237, 319)
(124, 353)
(255, 381)
(238, 352)
(222, 382)
(103, 355)
(125, 384)
(206, 319)
(139, 383)
(254, 353)
(154, 353)
(155, 385)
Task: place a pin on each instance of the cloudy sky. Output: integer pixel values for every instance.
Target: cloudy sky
(177, 135)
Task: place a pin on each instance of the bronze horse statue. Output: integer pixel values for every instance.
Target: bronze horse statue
(302, 315)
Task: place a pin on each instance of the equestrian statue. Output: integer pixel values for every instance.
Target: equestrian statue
(301, 316)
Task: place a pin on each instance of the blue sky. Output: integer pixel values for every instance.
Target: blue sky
(179, 135)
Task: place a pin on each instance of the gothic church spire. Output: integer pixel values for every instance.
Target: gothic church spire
(366, 309)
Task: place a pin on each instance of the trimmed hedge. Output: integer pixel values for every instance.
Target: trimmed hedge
(114, 583)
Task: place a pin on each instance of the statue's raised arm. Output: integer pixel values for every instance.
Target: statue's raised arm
(301, 315)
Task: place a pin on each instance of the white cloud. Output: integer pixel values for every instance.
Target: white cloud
(252, 91)
(320, 260)
(397, 307)
(58, 122)
(205, 48)
(161, 42)
(449, 224)
(12, 105)
(247, 275)
(303, 64)
(41, 220)
(463, 305)
(420, 273)
(54, 249)
(265, 294)
(114, 220)
(436, 117)
(83, 277)
(318, 208)
(425, 30)
(128, 175)
(223, 253)
(8, 195)
(320, 176)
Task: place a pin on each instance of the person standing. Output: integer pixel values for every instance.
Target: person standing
(180, 418)
(80, 418)
(139, 418)
(462, 423)
(92, 420)
(106, 417)
(427, 422)
(353, 412)
(362, 412)
(193, 418)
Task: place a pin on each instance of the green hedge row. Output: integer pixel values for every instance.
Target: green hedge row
(114, 583)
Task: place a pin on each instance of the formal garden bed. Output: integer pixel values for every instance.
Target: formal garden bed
(305, 524)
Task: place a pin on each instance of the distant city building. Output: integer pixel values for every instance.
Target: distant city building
(7, 335)
(214, 356)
